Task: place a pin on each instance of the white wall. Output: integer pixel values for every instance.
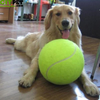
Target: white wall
(27, 9)
(74, 3)
(45, 8)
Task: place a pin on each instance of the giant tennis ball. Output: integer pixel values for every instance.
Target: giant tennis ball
(61, 61)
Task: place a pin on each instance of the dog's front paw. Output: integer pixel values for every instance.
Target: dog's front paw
(91, 89)
(26, 81)
(10, 40)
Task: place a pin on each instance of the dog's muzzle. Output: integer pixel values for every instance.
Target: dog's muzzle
(65, 33)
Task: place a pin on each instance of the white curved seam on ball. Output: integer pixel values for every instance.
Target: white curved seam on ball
(60, 61)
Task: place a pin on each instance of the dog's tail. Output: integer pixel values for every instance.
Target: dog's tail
(10, 40)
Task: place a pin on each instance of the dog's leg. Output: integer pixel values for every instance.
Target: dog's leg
(10, 40)
(89, 87)
(30, 74)
(19, 43)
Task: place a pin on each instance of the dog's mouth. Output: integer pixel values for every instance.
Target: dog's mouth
(65, 33)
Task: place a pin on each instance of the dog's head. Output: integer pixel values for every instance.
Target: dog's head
(63, 18)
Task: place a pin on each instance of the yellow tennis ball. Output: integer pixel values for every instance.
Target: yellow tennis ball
(61, 61)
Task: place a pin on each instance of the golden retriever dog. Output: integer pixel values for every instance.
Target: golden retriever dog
(60, 22)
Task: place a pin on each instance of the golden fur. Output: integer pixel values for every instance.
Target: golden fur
(32, 43)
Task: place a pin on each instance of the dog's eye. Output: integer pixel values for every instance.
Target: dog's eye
(58, 14)
(70, 13)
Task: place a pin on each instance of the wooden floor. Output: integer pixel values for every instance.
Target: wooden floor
(13, 63)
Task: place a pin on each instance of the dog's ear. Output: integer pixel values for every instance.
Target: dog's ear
(77, 12)
(47, 20)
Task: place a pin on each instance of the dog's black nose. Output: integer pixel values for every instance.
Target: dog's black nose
(65, 23)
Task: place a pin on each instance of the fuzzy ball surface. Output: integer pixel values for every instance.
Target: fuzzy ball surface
(61, 62)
